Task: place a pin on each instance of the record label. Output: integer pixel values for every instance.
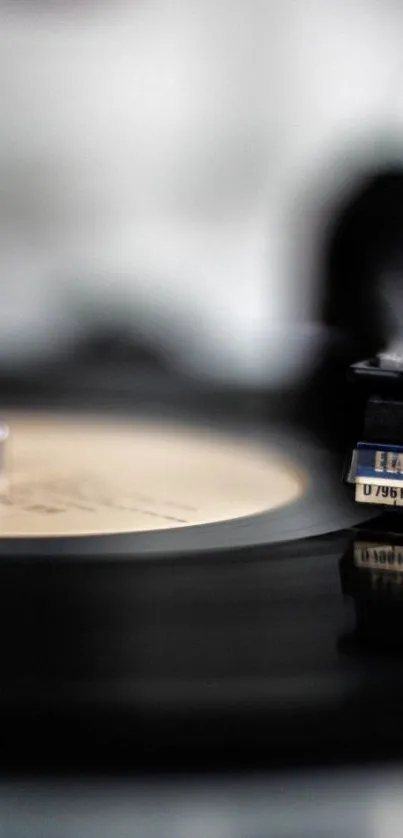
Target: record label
(69, 476)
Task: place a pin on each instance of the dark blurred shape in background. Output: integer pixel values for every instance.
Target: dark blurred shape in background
(361, 268)
(364, 249)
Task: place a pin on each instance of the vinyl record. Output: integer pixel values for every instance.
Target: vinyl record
(76, 485)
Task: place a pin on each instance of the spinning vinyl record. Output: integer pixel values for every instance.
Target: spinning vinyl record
(78, 484)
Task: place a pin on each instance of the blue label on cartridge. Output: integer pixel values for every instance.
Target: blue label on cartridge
(379, 463)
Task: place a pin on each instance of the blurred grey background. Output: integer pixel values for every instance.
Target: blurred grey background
(167, 169)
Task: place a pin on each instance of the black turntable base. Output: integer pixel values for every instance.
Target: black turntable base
(210, 639)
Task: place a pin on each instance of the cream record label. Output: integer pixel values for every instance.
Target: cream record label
(70, 476)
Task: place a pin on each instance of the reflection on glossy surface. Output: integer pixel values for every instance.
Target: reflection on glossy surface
(372, 575)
